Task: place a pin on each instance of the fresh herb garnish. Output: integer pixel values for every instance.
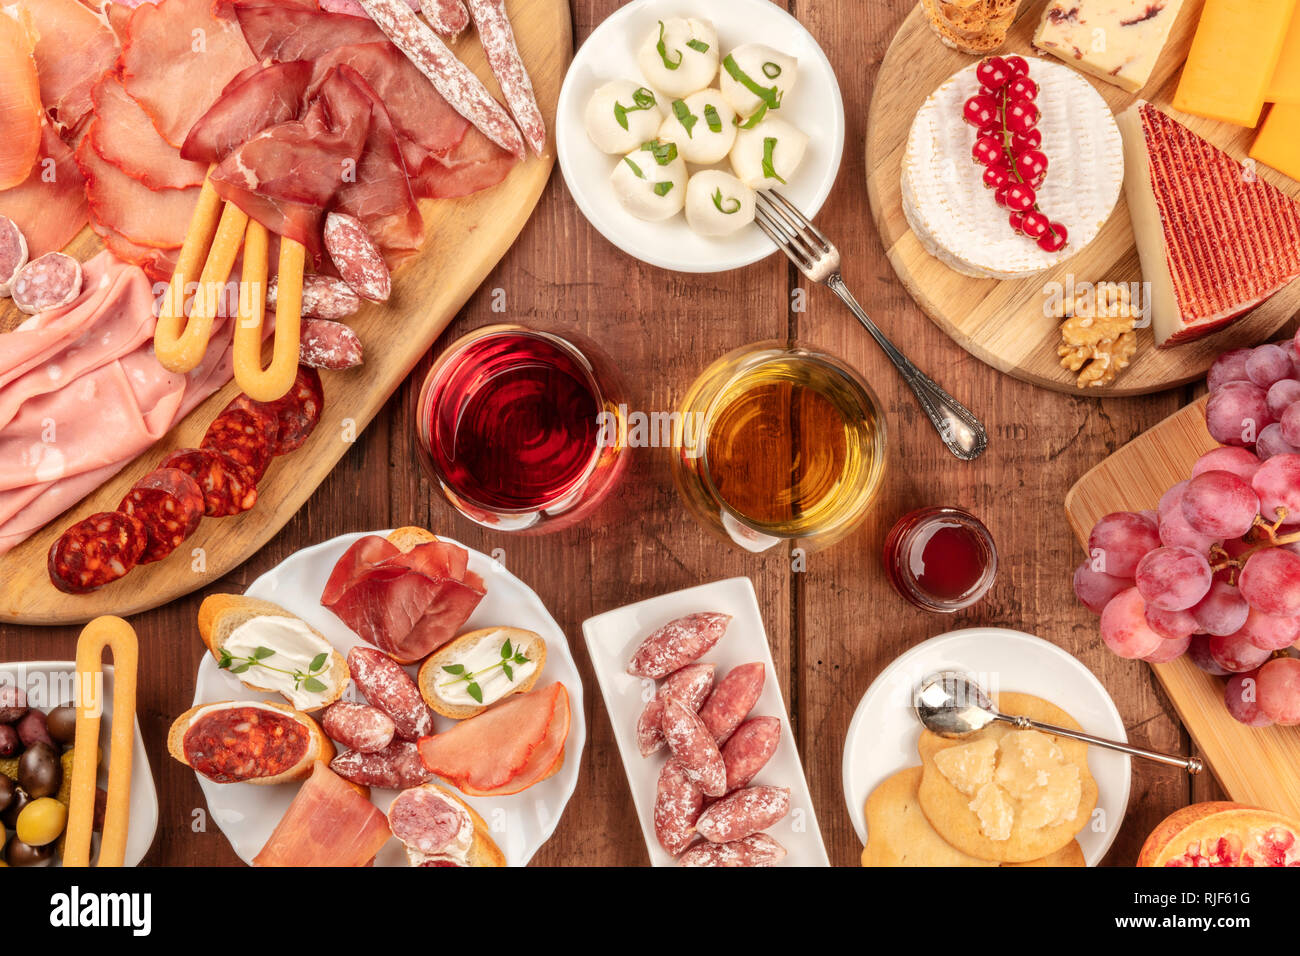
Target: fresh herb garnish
(770, 95)
(664, 153)
(753, 120)
(685, 116)
(699, 45)
(642, 99)
(771, 70)
(718, 200)
(769, 146)
(663, 50)
(663, 189)
(713, 119)
(302, 680)
(635, 168)
(509, 656)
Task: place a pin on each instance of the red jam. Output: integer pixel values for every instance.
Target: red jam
(940, 559)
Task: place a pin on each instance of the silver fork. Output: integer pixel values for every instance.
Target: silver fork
(818, 259)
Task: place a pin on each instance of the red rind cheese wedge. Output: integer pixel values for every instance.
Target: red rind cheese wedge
(329, 823)
(493, 753)
(1215, 240)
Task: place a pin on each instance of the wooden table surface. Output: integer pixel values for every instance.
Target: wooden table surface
(833, 625)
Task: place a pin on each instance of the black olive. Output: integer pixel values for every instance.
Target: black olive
(39, 771)
(21, 854)
(10, 815)
(8, 792)
(61, 722)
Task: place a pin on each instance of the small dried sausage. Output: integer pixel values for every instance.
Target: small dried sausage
(391, 689)
(678, 802)
(749, 749)
(358, 726)
(732, 700)
(677, 644)
(744, 813)
(358, 259)
(13, 254)
(757, 850)
(694, 747)
(323, 297)
(396, 767)
(328, 345)
(690, 685)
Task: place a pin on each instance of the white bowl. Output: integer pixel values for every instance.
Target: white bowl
(814, 105)
(520, 824)
(884, 731)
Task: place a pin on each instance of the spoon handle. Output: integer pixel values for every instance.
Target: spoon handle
(1193, 765)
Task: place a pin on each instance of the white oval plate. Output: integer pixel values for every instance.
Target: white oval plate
(49, 684)
(814, 105)
(884, 732)
(520, 824)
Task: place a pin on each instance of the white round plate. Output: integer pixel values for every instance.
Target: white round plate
(520, 824)
(883, 735)
(814, 105)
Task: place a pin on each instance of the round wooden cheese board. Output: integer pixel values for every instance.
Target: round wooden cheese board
(1007, 323)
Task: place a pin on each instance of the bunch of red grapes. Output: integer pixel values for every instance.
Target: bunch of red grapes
(1215, 572)
(1009, 143)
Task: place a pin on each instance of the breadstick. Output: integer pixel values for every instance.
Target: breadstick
(266, 385)
(168, 340)
(119, 636)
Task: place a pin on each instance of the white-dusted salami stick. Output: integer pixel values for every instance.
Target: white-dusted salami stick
(498, 39)
(447, 17)
(451, 78)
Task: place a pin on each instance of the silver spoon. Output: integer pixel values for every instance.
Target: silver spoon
(950, 704)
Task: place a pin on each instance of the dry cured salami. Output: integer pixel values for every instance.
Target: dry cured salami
(49, 282)
(359, 261)
(96, 551)
(396, 767)
(228, 488)
(13, 254)
(323, 297)
(245, 435)
(295, 414)
(170, 505)
(329, 345)
(234, 744)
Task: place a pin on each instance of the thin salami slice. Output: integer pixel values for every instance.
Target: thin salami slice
(228, 487)
(13, 254)
(46, 283)
(296, 412)
(245, 435)
(170, 505)
(96, 551)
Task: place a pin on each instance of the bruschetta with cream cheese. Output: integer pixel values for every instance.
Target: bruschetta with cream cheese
(479, 668)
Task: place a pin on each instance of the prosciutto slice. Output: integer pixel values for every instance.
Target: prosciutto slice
(260, 97)
(154, 218)
(73, 51)
(123, 135)
(328, 824)
(475, 164)
(179, 57)
(506, 748)
(20, 99)
(298, 32)
(50, 205)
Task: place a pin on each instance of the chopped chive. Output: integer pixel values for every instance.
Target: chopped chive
(664, 153)
(662, 189)
(643, 98)
(771, 70)
(753, 120)
(663, 50)
(713, 119)
(718, 201)
(635, 168)
(698, 45)
(685, 116)
(770, 95)
(769, 146)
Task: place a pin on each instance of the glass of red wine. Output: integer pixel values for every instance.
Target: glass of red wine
(940, 559)
(520, 428)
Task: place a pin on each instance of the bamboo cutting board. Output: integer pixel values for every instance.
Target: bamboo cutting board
(465, 240)
(1259, 766)
(1004, 323)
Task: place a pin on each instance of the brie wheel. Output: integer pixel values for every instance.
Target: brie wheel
(955, 217)
(603, 127)
(639, 183)
(700, 144)
(718, 204)
(766, 67)
(693, 70)
(751, 149)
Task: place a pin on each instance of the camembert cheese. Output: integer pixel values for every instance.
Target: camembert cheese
(1118, 41)
(955, 217)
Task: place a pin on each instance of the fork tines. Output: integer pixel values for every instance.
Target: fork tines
(791, 230)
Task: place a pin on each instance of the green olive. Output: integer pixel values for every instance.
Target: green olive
(41, 822)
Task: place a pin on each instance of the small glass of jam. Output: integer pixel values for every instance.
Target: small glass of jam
(940, 559)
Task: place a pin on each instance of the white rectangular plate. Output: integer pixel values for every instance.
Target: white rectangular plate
(611, 639)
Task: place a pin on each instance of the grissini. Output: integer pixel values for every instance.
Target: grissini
(251, 760)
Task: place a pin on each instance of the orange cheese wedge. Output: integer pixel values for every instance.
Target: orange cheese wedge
(20, 100)
(1284, 87)
(545, 761)
(1278, 142)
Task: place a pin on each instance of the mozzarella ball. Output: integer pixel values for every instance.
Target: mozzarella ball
(689, 60)
(717, 203)
(651, 188)
(773, 142)
(764, 67)
(703, 126)
(616, 103)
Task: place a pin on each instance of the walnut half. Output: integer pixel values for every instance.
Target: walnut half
(1097, 337)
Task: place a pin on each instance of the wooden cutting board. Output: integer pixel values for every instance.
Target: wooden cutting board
(465, 240)
(1259, 766)
(1003, 323)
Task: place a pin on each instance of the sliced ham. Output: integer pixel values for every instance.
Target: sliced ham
(20, 99)
(74, 50)
(156, 218)
(158, 264)
(50, 205)
(544, 761)
(329, 823)
(124, 136)
(260, 97)
(486, 753)
(179, 57)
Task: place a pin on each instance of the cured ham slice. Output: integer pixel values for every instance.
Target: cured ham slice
(179, 57)
(260, 97)
(73, 51)
(329, 823)
(50, 205)
(20, 101)
(155, 218)
(158, 264)
(476, 164)
(293, 32)
(124, 136)
(504, 746)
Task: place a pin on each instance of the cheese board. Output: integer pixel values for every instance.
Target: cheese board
(1010, 323)
(466, 238)
(1255, 765)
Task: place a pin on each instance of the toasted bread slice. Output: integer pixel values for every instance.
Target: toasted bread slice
(431, 673)
(407, 538)
(319, 746)
(483, 850)
(221, 614)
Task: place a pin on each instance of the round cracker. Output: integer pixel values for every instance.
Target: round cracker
(898, 834)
